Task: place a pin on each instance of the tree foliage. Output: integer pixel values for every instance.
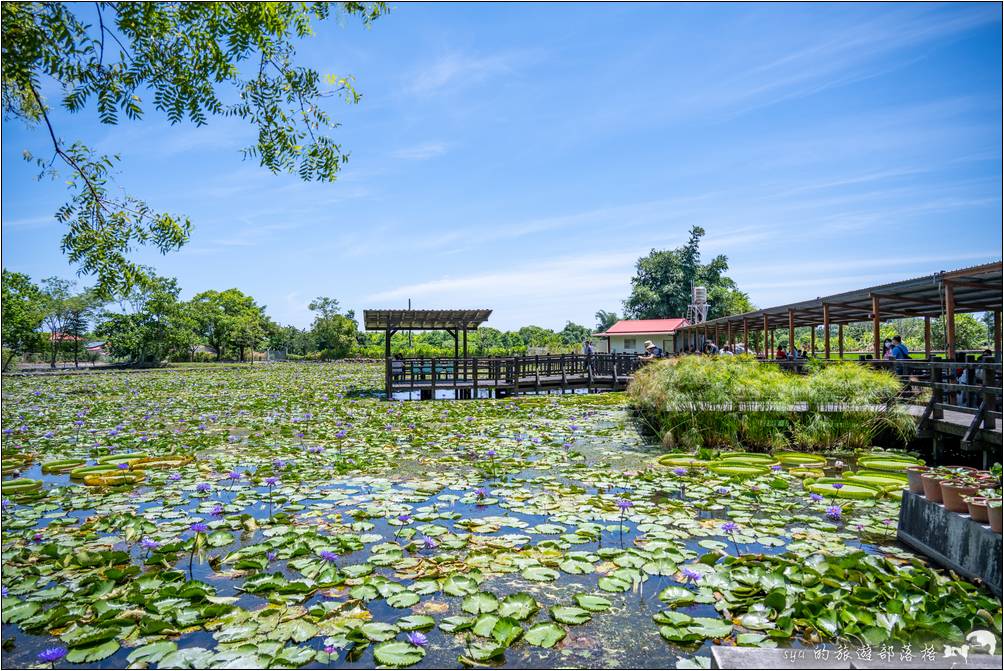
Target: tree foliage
(23, 310)
(661, 287)
(605, 320)
(190, 61)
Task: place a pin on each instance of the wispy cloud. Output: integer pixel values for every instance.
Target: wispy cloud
(30, 222)
(421, 152)
(455, 70)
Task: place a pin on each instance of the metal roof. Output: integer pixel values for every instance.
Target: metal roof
(638, 326)
(977, 289)
(423, 320)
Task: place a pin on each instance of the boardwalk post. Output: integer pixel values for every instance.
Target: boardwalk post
(950, 320)
(997, 335)
(536, 372)
(791, 329)
(766, 348)
(826, 330)
(927, 338)
(433, 378)
(876, 328)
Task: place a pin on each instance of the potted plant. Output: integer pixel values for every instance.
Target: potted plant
(913, 475)
(931, 482)
(954, 491)
(994, 513)
(978, 508)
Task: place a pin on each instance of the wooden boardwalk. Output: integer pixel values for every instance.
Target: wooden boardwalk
(474, 377)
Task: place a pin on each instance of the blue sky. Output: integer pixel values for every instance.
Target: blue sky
(522, 157)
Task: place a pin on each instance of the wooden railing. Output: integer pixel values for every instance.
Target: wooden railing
(515, 372)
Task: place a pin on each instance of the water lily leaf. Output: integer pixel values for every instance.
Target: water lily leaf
(378, 631)
(592, 603)
(570, 614)
(540, 574)
(506, 631)
(415, 623)
(612, 583)
(403, 599)
(544, 634)
(518, 606)
(576, 566)
(398, 653)
(220, 538)
(460, 585)
(187, 658)
(152, 653)
(92, 653)
(484, 625)
(481, 602)
(482, 651)
(676, 596)
(699, 662)
(456, 623)
(756, 621)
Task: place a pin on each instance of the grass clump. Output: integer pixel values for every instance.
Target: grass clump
(696, 401)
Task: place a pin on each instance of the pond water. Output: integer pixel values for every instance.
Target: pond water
(336, 523)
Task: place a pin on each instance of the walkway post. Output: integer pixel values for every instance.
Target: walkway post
(997, 335)
(766, 351)
(826, 330)
(927, 338)
(812, 340)
(791, 329)
(746, 335)
(876, 328)
(950, 320)
(840, 341)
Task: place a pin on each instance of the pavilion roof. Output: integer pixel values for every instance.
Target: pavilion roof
(423, 320)
(976, 289)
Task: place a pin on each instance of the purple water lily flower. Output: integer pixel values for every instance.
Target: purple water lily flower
(679, 470)
(271, 556)
(690, 575)
(341, 434)
(624, 504)
(815, 498)
(271, 481)
(838, 485)
(174, 476)
(729, 527)
(123, 467)
(418, 638)
(279, 464)
(404, 518)
(199, 527)
(429, 543)
(834, 513)
(776, 467)
(217, 511)
(329, 556)
(52, 655)
(330, 649)
(234, 475)
(149, 544)
(722, 491)
(481, 492)
(203, 487)
(490, 454)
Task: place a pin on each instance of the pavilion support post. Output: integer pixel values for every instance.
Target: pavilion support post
(772, 340)
(826, 331)
(840, 341)
(767, 349)
(728, 335)
(465, 343)
(997, 335)
(791, 329)
(812, 340)
(717, 340)
(876, 328)
(927, 338)
(950, 320)
(746, 335)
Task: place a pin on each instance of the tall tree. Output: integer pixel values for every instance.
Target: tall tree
(574, 334)
(228, 319)
(605, 320)
(57, 297)
(334, 333)
(196, 61)
(662, 284)
(22, 308)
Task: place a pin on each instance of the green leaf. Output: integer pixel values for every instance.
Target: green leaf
(540, 574)
(398, 653)
(92, 653)
(482, 602)
(460, 585)
(544, 634)
(518, 606)
(415, 623)
(506, 631)
(570, 614)
(403, 600)
(378, 631)
(152, 653)
(592, 603)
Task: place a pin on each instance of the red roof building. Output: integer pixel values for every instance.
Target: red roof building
(629, 335)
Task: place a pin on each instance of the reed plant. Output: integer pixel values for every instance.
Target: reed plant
(696, 401)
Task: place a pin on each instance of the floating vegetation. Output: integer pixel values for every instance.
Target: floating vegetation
(283, 516)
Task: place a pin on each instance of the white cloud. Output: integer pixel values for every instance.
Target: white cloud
(421, 152)
(455, 70)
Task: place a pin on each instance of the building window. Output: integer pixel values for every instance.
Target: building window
(628, 343)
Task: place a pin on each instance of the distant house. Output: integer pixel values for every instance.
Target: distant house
(97, 347)
(629, 335)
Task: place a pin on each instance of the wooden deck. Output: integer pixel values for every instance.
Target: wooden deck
(474, 377)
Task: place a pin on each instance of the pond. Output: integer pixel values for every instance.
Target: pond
(316, 526)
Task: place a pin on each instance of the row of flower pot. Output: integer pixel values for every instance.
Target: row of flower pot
(961, 489)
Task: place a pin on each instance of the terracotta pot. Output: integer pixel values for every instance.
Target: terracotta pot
(913, 475)
(932, 487)
(995, 515)
(952, 494)
(978, 508)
